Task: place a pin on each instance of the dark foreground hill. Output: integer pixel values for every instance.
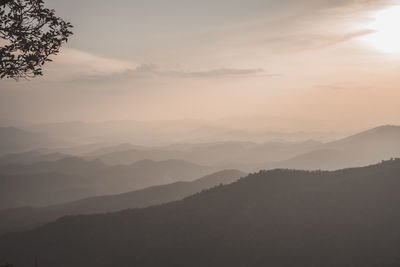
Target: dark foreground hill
(29, 217)
(273, 218)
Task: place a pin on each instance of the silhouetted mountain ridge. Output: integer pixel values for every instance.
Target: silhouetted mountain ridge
(28, 217)
(271, 218)
(68, 179)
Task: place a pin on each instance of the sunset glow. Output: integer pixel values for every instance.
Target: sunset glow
(386, 37)
(200, 133)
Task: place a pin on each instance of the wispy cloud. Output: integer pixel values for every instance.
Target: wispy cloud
(343, 86)
(222, 72)
(299, 42)
(152, 71)
(75, 65)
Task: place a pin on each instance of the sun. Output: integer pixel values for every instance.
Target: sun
(386, 30)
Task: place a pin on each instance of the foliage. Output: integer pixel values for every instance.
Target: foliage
(30, 34)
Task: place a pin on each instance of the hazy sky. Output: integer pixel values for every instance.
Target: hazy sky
(333, 62)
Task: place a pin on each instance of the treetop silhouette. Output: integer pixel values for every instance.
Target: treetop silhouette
(29, 35)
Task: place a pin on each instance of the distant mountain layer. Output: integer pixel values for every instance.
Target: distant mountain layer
(23, 218)
(361, 149)
(14, 140)
(365, 148)
(247, 155)
(30, 157)
(271, 218)
(151, 133)
(358, 150)
(68, 179)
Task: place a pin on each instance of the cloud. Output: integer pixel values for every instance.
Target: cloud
(299, 42)
(314, 25)
(154, 69)
(343, 86)
(144, 71)
(146, 68)
(223, 72)
(73, 64)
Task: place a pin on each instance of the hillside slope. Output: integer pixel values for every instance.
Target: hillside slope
(368, 147)
(28, 217)
(69, 179)
(271, 218)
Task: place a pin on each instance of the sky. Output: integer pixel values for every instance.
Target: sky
(333, 63)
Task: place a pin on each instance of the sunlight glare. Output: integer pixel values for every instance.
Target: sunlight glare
(386, 27)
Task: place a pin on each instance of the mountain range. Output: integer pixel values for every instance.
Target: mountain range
(13, 140)
(42, 178)
(160, 133)
(68, 179)
(361, 149)
(28, 217)
(271, 218)
(221, 155)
